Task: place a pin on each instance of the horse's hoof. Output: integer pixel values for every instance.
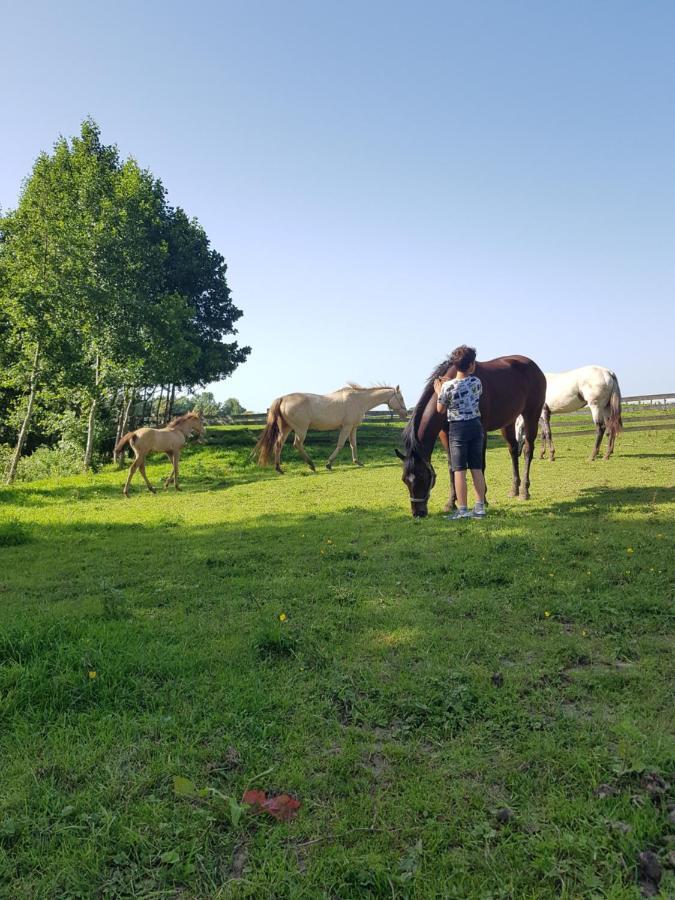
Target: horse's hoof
(358, 463)
(513, 493)
(524, 496)
(329, 466)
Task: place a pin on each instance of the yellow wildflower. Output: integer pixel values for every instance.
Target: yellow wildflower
(92, 674)
(547, 614)
(282, 617)
(584, 633)
(629, 550)
(329, 541)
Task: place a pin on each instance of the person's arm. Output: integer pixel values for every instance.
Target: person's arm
(438, 387)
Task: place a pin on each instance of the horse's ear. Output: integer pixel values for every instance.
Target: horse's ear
(399, 454)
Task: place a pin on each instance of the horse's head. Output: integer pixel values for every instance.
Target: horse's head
(198, 426)
(419, 477)
(396, 404)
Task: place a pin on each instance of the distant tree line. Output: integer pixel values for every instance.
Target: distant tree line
(157, 410)
(111, 302)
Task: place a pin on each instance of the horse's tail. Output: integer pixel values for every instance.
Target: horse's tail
(263, 449)
(119, 446)
(614, 422)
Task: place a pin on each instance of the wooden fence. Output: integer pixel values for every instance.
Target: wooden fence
(641, 412)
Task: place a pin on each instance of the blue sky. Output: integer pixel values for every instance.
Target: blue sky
(387, 180)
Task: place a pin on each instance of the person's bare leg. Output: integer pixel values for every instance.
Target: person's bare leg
(478, 484)
(460, 488)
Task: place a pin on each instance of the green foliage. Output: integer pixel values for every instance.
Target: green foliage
(104, 288)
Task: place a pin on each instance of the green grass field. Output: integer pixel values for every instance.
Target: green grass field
(476, 709)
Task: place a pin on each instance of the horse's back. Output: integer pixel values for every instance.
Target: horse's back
(511, 385)
(571, 390)
(156, 440)
(320, 411)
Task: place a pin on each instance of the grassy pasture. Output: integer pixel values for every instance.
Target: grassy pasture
(429, 675)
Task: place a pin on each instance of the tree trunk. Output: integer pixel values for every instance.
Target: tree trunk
(159, 404)
(120, 415)
(123, 426)
(169, 405)
(88, 453)
(11, 475)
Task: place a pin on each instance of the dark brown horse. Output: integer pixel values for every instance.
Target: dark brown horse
(512, 386)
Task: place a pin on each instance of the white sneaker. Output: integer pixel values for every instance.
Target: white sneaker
(460, 514)
(479, 511)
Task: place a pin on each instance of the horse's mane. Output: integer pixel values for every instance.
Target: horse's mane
(353, 386)
(183, 418)
(410, 439)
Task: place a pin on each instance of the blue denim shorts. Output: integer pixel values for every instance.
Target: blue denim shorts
(466, 444)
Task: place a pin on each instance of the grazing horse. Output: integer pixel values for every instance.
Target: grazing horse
(170, 440)
(343, 409)
(568, 391)
(511, 385)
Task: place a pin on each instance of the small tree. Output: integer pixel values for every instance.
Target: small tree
(231, 407)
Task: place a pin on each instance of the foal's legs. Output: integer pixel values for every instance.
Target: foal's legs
(132, 471)
(172, 473)
(342, 437)
(352, 444)
(141, 468)
(509, 435)
(298, 443)
(176, 457)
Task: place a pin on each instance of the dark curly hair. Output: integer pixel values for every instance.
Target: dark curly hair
(463, 357)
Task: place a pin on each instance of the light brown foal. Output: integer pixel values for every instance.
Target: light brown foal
(170, 440)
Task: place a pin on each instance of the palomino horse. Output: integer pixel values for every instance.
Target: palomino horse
(170, 440)
(568, 391)
(512, 385)
(343, 409)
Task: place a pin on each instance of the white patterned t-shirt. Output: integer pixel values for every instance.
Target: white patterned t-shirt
(461, 396)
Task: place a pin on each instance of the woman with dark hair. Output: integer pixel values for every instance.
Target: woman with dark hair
(460, 397)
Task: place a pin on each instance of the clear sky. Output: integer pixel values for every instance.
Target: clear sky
(387, 180)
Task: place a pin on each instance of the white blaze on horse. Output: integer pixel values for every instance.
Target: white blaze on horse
(569, 391)
(170, 440)
(343, 409)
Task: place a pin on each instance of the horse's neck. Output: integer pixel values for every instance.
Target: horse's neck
(373, 397)
(183, 429)
(430, 426)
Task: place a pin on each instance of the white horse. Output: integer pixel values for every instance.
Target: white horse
(343, 409)
(568, 391)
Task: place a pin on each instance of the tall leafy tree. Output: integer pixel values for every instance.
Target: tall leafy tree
(37, 278)
(106, 289)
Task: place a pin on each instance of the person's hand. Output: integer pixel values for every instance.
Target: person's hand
(438, 384)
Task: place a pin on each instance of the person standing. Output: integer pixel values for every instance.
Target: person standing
(459, 398)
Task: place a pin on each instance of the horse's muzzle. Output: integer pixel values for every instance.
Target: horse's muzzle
(419, 510)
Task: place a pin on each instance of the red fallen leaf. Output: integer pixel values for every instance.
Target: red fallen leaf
(282, 807)
(254, 798)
